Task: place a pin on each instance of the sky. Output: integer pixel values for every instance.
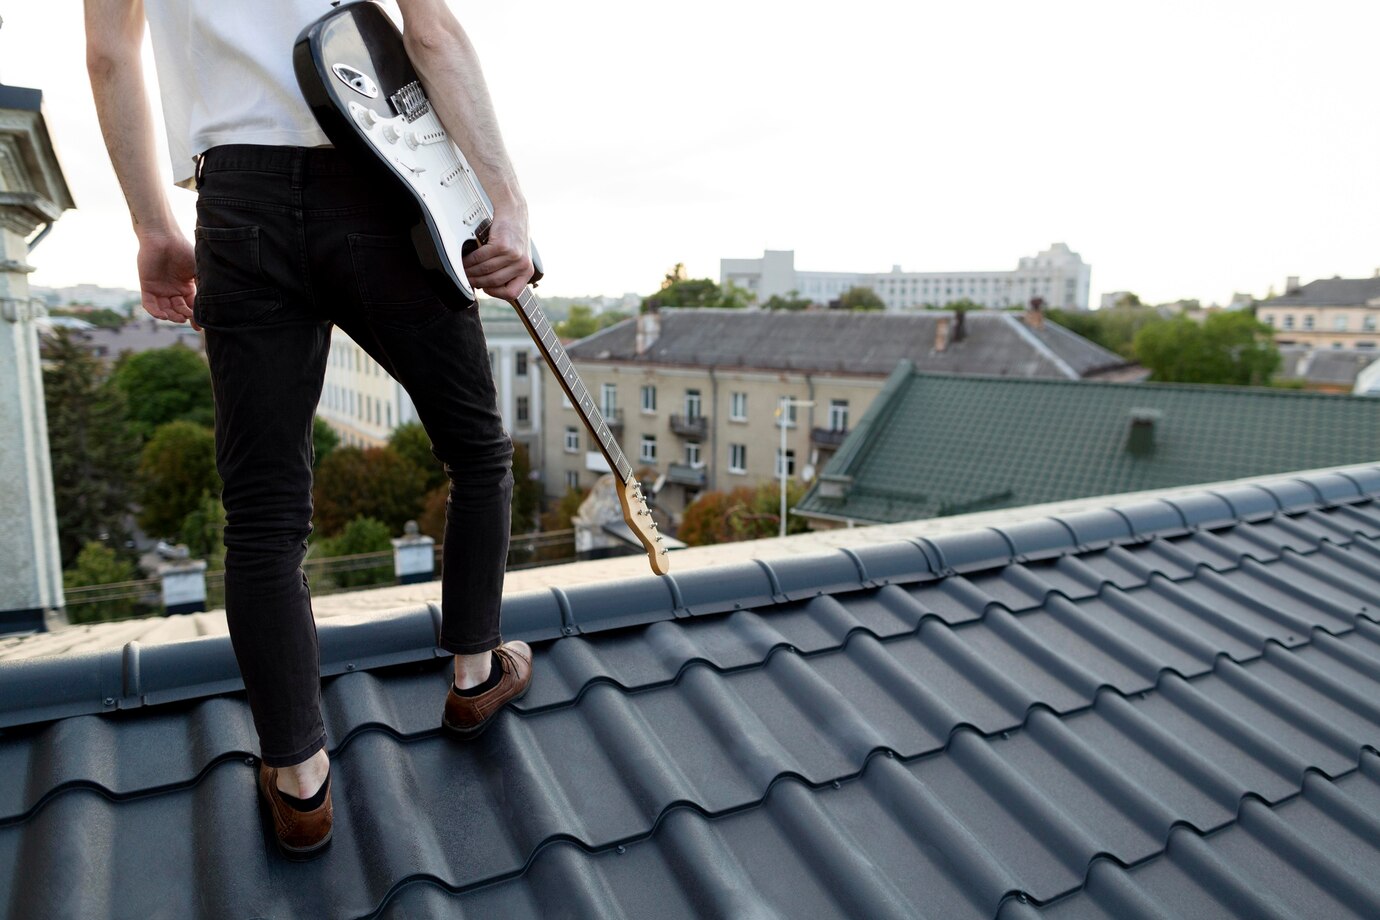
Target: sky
(1184, 149)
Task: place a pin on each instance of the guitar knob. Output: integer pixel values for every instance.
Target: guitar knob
(411, 138)
(390, 134)
(367, 118)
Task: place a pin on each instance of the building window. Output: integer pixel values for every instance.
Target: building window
(608, 399)
(648, 452)
(572, 479)
(1308, 321)
(1339, 322)
(786, 411)
(1368, 323)
(790, 462)
(737, 458)
(692, 454)
(1288, 321)
(648, 398)
(522, 411)
(737, 407)
(520, 364)
(838, 415)
(692, 404)
(388, 409)
(572, 440)
(1269, 320)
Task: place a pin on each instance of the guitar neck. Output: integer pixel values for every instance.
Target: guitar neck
(539, 327)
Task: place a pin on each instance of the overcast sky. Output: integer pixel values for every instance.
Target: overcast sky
(1185, 149)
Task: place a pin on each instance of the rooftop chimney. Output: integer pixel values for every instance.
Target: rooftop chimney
(1291, 284)
(960, 332)
(648, 330)
(1035, 316)
(941, 333)
(1140, 440)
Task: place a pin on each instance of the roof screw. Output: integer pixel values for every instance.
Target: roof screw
(569, 630)
(1006, 736)
(838, 785)
(622, 849)
(110, 701)
(350, 666)
(249, 761)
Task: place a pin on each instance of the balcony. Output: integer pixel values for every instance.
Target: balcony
(828, 437)
(690, 426)
(686, 475)
(614, 420)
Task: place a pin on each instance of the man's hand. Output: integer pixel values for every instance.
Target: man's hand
(502, 266)
(167, 277)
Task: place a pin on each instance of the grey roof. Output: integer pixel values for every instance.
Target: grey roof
(839, 341)
(144, 335)
(1339, 366)
(1330, 292)
(1164, 708)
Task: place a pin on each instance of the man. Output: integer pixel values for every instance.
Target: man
(290, 240)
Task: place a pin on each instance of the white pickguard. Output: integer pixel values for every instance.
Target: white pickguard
(422, 153)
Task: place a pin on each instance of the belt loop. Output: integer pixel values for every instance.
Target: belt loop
(200, 167)
(298, 166)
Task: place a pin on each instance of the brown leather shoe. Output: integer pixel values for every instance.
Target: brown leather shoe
(301, 834)
(467, 716)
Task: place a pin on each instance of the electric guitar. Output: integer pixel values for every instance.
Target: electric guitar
(354, 71)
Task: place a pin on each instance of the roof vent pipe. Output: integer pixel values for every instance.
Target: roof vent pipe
(648, 330)
(1140, 440)
(941, 333)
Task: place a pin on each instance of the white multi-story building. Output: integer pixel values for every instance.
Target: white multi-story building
(1058, 275)
(364, 404)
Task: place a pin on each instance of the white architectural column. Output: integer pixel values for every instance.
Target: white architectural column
(33, 194)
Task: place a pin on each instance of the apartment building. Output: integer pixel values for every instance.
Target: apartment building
(1058, 275)
(692, 395)
(1332, 313)
(364, 404)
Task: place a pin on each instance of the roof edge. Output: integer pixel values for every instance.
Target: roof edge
(43, 689)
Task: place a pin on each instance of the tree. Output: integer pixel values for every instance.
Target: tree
(164, 385)
(92, 450)
(105, 319)
(361, 535)
(1226, 348)
(374, 482)
(960, 306)
(432, 520)
(99, 565)
(323, 440)
(1114, 328)
(792, 302)
(742, 514)
(203, 530)
(860, 298)
(578, 323)
(526, 491)
(679, 291)
(411, 441)
(177, 470)
(562, 516)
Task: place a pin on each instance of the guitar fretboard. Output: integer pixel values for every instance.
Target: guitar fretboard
(539, 327)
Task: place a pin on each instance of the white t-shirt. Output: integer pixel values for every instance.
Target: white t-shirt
(225, 70)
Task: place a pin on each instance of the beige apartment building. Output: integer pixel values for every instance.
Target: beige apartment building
(692, 395)
(1333, 313)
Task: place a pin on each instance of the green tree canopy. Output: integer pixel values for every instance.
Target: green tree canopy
(360, 535)
(792, 302)
(203, 530)
(1114, 328)
(526, 491)
(99, 565)
(373, 482)
(581, 321)
(1227, 347)
(679, 291)
(411, 440)
(743, 514)
(92, 449)
(323, 440)
(164, 385)
(177, 470)
(860, 298)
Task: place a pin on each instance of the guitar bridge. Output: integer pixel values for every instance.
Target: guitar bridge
(410, 102)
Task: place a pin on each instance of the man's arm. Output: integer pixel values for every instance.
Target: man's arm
(167, 266)
(450, 72)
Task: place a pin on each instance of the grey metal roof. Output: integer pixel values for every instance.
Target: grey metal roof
(1329, 292)
(839, 341)
(1338, 366)
(1158, 708)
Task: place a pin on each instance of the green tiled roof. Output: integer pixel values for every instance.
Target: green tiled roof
(932, 445)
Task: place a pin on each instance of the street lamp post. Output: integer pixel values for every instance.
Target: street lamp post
(782, 408)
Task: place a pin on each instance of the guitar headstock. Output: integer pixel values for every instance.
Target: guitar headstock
(639, 517)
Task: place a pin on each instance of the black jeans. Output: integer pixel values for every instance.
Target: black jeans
(290, 241)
